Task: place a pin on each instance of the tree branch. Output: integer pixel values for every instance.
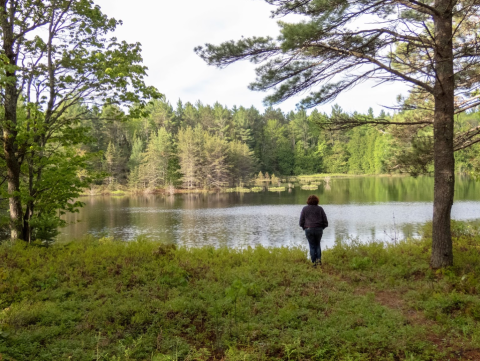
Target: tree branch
(418, 6)
(376, 62)
(345, 123)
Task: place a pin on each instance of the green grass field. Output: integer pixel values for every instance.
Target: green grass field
(108, 300)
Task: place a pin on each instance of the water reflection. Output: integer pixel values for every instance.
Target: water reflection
(384, 208)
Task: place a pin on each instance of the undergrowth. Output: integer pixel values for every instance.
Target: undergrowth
(108, 300)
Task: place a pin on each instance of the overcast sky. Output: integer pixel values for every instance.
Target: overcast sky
(169, 30)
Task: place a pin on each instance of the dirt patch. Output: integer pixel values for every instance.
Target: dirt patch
(394, 300)
(390, 299)
(469, 355)
(451, 346)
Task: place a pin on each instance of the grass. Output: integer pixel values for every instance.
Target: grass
(319, 176)
(277, 189)
(238, 190)
(310, 187)
(108, 300)
(256, 189)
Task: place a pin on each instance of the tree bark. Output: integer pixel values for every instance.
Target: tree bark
(10, 146)
(13, 179)
(442, 253)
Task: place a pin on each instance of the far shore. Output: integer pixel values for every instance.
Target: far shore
(286, 183)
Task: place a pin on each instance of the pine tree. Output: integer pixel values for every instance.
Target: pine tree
(302, 128)
(136, 154)
(222, 121)
(241, 162)
(156, 158)
(111, 163)
(241, 127)
(189, 153)
(357, 147)
(277, 153)
(216, 169)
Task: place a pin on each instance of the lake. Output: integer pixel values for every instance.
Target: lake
(380, 208)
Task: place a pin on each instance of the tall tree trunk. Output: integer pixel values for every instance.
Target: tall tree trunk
(13, 179)
(442, 254)
(10, 147)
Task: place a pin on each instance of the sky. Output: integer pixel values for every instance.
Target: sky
(170, 30)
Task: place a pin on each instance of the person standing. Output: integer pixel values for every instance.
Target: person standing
(313, 221)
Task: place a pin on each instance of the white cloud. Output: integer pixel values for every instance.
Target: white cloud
(169, 30)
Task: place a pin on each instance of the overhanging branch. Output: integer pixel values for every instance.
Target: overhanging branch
(376, 62)
(345, 123)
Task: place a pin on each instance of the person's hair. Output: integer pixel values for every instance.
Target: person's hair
(313, 200)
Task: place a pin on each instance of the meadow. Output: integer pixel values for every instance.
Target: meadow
(101, 299)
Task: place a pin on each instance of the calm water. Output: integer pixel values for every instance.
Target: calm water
(381, 208)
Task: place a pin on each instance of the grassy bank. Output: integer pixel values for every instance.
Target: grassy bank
(106, 300)
(252, 186)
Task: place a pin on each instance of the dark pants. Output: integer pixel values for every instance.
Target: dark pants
(314, 235)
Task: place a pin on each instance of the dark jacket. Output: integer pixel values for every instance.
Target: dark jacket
(313, 217)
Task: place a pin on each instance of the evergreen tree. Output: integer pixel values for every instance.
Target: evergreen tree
(277, 154)
(242, 164)
(111, 163)
(302, 128)
(161, 114)
(370, 141)
(189, 153)
(357, 148)
(216, 170)
(337, 160)
(156, 159)
(380, 154)
(241, 127)
(190, 116)
(136, 154)
(307, 161)
(221, 121)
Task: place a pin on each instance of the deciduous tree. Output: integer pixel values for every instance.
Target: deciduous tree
(57, 54)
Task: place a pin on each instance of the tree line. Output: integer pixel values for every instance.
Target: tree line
(212, 146)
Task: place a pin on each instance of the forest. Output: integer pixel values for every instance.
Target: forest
(198, 146)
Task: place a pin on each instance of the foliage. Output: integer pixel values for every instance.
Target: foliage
(58, 65)
(53, 174)
(108, 300)
(282, 144)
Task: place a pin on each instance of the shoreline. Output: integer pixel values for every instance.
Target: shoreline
(292, 179)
